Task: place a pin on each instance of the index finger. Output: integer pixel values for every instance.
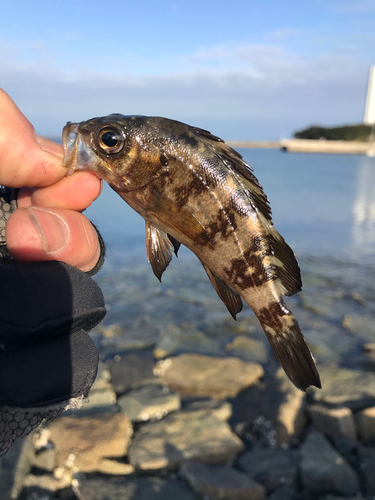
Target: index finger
(26, 160)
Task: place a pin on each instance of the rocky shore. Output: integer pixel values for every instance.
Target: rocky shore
(199, 410)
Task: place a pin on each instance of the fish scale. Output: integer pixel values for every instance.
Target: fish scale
(193, 189)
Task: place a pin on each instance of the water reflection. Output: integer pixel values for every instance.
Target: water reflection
(363, 230)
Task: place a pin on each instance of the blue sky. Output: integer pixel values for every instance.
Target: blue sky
(242, 69)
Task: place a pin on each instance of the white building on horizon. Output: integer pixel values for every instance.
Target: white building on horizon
(369, 117)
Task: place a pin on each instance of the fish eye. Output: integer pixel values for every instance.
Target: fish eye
(111, 140)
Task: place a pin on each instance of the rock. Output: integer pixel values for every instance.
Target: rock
(45, 459)
(337, 424)
(362, 325)
(149, 402)
(140, 488)
(324, 470)
(90, 439)
(274, 410)
(180, 436)
(272, 468)
(205, 376)
(219, 409)
(115, 467)
(248, 348)
(365, 421)
(221, 482)
(285, 492)
(47, 483)
(130, 372)
(343, 387)
(178, 339)
(15, 465)
(367, 464)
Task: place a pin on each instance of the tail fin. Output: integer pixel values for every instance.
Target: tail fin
(289, 345)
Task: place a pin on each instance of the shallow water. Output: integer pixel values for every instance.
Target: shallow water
(323, 205)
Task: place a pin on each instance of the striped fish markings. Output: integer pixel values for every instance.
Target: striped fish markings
(193, 189)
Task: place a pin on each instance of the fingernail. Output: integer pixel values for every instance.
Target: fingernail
(52, 229)
(49, 146)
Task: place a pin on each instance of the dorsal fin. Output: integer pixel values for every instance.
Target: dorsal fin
(229, 296)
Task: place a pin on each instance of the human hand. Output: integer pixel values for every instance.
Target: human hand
(55, 230)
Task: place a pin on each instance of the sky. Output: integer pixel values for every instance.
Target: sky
(245, 70)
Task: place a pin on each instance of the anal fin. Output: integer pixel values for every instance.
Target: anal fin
(159, 249)
(230, 297)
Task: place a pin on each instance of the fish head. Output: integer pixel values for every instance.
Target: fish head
(112, 148)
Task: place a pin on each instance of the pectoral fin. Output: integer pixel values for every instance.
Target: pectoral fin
(159, 249)
(177, 218)
(229, 296)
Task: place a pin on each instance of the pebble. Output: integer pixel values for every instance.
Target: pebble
(205, 376)
(324, 470)
(272, 468)
(337, 424)
(149, 402)
(180, 436)
(221, 482)
(90, 439)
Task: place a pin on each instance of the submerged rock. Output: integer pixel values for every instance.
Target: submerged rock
(324, 470)
(180, 436)
(365, 421)
(149, 402)
(221, 482)
(205, 376)
(248, 348)
(130, 372)
(272, 468)
(140, 488)
(90, 439)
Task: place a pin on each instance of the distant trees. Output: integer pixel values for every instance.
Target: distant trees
(358, 132)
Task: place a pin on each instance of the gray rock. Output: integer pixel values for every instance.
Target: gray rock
(15, 465)
(221, 482)
(205, 376)
(272, 468)
(90, 439)
(248, 348)
(178, 339)
(324, 470)
(275, 410)
(141, 488)
(337, 424)
(149, 402)
(219, 409)
(180, 436)
(343, 387)
(130, 372)
(47, 482)
(365, 421)
(362, 325)
(45, 459)
(285, 492)
(367, 463)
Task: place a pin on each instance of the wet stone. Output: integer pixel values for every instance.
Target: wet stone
(180, 436)
(367, 463)
(221, 482)
(337, 424)
(177, 339)
(140, 488)
(130, 372)
(272, 468)
(362, 325)
(149, 402)
(115, 467)
(365, 421)
(324, 470)
(353, 389)
(90, 439)
(275, 410)
(248, 348)
(205, 376)
(285, 492)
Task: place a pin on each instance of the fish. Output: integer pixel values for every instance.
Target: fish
(193, 189)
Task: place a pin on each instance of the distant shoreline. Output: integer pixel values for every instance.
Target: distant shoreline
(311, 146)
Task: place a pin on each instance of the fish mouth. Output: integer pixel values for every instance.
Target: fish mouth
(77, 154)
